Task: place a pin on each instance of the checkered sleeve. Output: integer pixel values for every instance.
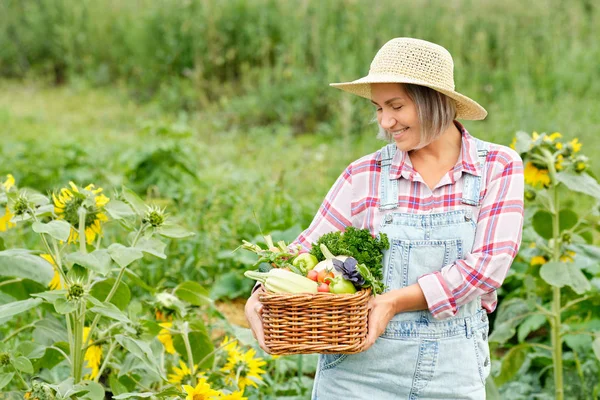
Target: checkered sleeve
(497, 241)
(334, 213)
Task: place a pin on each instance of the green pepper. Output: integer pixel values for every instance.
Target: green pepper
(306, 261)
(339, 285)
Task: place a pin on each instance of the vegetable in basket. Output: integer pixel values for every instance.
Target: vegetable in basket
(280, 280)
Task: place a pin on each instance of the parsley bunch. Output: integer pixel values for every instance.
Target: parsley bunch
(357, 243)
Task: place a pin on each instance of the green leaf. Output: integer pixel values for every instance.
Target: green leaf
(529, 324)
(118, 209)
(23, 364)
(152, 246)
(52, 356)
(542, 223)
(5, 379)
(511, 363)
(174, 231)
(508, 312)
(135, 201)
(58, 229)
(193, 293)
(596, 347)
(567, 219)
(48, 331)
(116, 387)
(121, 298)
(31, 350)
(52, 295)
(200, 343)
(565, 274)
(64, 306)
(582, 183)
(123, 255)
(230, 286)
(137, 281)
(20, 263)
(580, 343)
(140, 350)
(111, 311)
(134, 394)
(89, 390)
(18, 307)
(523, 142)
(98, 260)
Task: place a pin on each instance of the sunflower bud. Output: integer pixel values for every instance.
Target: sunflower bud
(76, 292)
(530, 195)
(4, 359)
(154, 216)
(566, 238)
(21, 205)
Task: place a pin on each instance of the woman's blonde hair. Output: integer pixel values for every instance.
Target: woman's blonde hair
(436, 112)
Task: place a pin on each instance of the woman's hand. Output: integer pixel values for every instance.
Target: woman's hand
(252, 311)
(381, 311)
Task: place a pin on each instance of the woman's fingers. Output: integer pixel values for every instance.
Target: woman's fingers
(253, 315)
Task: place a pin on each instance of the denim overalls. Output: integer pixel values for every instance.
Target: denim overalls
(418, 357)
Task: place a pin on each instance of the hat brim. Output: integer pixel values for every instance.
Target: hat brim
(466, 108)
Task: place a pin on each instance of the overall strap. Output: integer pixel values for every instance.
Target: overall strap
(388, 189)
(472, 183)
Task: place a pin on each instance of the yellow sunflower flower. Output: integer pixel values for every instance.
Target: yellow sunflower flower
(56, 282)
(164, 336)
(239, 395)
(552, 137)
(9, 182)
(66, 205)
(535, 176)
(93, 357)
(538, 260)
(5, 223)
(568, 256)
(244, 369)
(183, 373)
(559, 160)
(575, 145)
(231, 347)
(202, 391)
(513, 144)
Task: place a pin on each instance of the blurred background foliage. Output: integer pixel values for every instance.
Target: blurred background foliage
(222, 110)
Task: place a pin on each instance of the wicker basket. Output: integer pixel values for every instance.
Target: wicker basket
(315, 323)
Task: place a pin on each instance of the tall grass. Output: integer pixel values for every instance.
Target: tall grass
(266, 61)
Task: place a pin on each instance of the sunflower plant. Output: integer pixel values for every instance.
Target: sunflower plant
(556, 271)
(89, 334)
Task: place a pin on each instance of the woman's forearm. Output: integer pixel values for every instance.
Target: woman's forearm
(410, 298)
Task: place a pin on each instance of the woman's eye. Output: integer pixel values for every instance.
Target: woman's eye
(378, 109)
(397, 108)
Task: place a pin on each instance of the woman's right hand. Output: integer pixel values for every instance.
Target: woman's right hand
(253, 309)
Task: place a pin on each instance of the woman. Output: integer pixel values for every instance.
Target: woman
(452, 207)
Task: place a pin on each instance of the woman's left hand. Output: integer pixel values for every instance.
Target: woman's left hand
(381, 311)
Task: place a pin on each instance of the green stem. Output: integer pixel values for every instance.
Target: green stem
(82, 239)
(61, 352)
(10, 281)
(27, 388)
(6, 339)
(573, 302)
(188, 349)
(78, 353)
(206, 357)
(55, 255)
(556, 338)
(70, 334)
(105, 362)
(114, 288)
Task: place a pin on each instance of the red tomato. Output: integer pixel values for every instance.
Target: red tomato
(313, 275)
(324, 274)
(323, 288)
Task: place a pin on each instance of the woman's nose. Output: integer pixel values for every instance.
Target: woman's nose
(387, 121)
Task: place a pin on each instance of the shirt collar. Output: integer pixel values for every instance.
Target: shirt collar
(467, 159)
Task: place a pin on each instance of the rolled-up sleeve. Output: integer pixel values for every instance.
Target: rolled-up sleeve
(497, 241)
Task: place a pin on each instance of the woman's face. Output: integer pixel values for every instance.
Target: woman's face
(397, 114)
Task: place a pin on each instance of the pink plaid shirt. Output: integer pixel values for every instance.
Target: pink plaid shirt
(354, 201)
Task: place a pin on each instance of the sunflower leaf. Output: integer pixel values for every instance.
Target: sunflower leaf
(174, 231)
(98, 260)
(135, 201)
(123, 255)
(152, 246)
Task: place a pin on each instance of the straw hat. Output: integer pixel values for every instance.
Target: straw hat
(419, 62)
